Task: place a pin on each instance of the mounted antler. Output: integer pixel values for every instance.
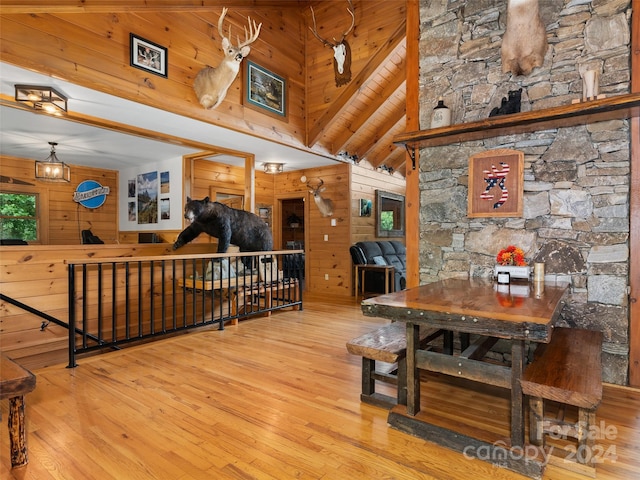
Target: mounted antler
(341, 49)
(325, 205)
(211, 84)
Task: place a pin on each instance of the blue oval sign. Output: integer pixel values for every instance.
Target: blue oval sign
(90, 194)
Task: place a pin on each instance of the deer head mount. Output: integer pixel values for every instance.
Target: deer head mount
(211, 84)
(325, 205)
(524, 44)
(341, 49)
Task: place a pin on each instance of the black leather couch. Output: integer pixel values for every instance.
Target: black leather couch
(381, 252)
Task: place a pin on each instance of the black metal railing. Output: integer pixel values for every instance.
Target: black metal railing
(115, 301)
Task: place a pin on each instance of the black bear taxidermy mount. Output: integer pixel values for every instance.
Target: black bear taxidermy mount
(229, 225)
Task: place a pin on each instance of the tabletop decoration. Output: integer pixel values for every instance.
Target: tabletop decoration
(511, 260)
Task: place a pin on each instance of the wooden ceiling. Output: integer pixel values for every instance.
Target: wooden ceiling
(360, 118)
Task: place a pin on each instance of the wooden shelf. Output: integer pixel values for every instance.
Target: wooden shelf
(616, 107)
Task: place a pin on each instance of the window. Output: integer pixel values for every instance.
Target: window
(19, 216)
(390, 214)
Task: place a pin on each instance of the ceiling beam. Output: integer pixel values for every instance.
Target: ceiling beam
(394, 123)
(389, 90)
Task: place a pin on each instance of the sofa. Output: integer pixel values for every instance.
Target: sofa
(381, 252)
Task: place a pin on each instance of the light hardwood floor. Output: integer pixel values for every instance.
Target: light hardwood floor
(270, 398)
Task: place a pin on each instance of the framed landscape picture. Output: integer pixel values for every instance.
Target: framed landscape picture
(496, 184)
(265, 90)
(148, 56)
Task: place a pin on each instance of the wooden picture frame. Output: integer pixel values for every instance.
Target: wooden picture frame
(265, 91)
(147, 55)
(496, 184)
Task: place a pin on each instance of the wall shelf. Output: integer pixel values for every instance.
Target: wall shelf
(616, 107)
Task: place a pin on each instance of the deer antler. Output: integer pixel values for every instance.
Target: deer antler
(315, 189)
(221, 20)
(314, 30)
(252, 35)
(249, 37)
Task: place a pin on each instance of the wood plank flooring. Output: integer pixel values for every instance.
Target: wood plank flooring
(270, 398)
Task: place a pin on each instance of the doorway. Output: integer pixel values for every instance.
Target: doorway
(293, 223)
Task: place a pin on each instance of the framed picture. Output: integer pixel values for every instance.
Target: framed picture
(496, 184)
(265, 90)
(365, 207)
(148, 56)
(264, 212)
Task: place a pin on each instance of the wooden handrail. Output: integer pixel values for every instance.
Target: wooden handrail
(189, 256)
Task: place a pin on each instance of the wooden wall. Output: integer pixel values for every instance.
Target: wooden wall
(364, 183)
(62, 218)
(92, 49)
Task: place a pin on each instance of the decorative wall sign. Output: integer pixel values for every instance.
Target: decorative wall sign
(148, 56)
(265, 89)
(496, 184)
(90, 194)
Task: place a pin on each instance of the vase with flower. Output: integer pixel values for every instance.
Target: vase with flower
(511, 261)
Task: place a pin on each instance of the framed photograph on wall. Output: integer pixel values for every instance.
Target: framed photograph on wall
(265, 90)
(365, 207)
(264, 212)
(148, 56)
(496, 184)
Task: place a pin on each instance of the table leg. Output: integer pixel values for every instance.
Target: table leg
(386, 282)
(413, 375)
(17, 432)
(357, 291)
(517, 400)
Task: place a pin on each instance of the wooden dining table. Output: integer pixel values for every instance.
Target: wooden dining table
(486, 311)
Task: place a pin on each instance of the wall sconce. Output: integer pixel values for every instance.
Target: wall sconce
(273, 168)
(52, 169)
(42, 98)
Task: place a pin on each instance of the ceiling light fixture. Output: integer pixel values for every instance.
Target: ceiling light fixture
(273, 168)
(47, 99)
(52, 169)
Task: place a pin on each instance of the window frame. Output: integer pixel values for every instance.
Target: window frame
(42, 209)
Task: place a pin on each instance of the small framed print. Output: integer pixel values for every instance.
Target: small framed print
(148, 56)
(496, 184)
(265, 90)
(365, 207)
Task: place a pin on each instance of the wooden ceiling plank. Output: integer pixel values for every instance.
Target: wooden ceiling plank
(378, 148)
(394, 83)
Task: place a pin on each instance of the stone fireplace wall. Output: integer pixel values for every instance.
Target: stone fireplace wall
(576, 180)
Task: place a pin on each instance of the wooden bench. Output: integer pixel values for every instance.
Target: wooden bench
(15, 382)
(568, 370)
(387, 344)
